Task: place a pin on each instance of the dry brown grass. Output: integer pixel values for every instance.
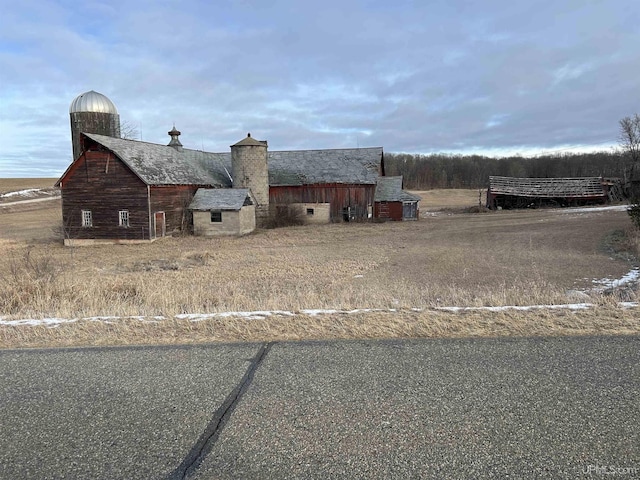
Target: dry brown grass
(609, 320)
(14, 184)
(439, 199)
(501, 258)
(30, 222)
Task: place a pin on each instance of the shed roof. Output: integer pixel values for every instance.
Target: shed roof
(389, 189)
(163, 165)
(583, 187)
(220, 199)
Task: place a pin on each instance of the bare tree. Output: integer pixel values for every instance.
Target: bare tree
(129, 131)
(630, 137)
(630, 144)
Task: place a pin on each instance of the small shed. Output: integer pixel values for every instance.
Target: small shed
(513, 192)
(223, 211)
(392, 202)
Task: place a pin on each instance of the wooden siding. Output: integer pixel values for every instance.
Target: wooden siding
(173, 200)
(514, 192)
(98, 181)
(340, 196)
(388, 210)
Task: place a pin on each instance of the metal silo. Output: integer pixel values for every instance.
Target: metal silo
(92, 112)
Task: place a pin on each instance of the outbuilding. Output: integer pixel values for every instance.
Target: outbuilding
(515, 192)
(223, 211)
(391, 202)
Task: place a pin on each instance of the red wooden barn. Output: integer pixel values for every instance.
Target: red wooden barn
(119, 190)
(129, 191)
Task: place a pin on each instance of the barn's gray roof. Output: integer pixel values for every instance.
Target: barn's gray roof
(389, 189)
(308, 167)
(584, 187)
(162, 165)
(219, 199)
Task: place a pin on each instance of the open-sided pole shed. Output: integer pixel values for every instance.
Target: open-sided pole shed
(513, 192)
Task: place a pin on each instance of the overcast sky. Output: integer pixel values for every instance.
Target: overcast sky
(491, 76)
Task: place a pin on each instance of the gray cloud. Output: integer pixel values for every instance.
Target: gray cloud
(410, 76)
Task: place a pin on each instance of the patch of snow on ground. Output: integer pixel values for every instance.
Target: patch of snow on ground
(613, 208)
(607, 283)
(28, 192)
(49, 322)
(263, 315)
(257, 315)
(313, 313)
(568, 306)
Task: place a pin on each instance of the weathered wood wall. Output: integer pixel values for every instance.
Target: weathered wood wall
(98, 181)
(388, 210)
(340, 196)
(173, 200)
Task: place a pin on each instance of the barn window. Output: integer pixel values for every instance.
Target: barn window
(87, 218)
(123, 216)
(310, 211)
(216, 216)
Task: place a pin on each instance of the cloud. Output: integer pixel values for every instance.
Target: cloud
(410, 76)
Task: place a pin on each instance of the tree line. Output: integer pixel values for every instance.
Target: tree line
(422, 172)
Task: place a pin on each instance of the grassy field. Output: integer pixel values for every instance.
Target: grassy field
(14, 184)
(440, 199)
(489, 259)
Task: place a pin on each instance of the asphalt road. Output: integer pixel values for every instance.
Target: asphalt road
(478, 408)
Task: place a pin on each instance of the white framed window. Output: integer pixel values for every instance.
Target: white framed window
(216, 216)
(87, 218)
(123, 218)
(310, 211)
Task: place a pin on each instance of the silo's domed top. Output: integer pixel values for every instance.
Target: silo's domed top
(92, 102)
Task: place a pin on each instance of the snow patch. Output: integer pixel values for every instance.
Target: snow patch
(264, 314)
(29, 192)
(257, 315)
(608, 283)
(49, 322)
(612, 208)
(568, 306)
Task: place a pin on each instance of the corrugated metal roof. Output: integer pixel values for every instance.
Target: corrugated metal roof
(162, 165)
(219, 199)
(584, 187)
(389, 189)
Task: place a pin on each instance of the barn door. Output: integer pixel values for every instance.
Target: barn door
(160, 227)
(409, 211)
